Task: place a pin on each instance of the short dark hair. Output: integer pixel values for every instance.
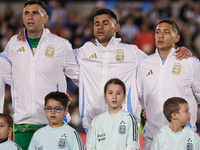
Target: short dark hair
(107, 12)
(58, 96)
(115, 81)
(172, 23)
(171, 105)
(8, 119)
(39, 2)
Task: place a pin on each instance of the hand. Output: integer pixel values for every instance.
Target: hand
(144, 115)
(183, 53)
(21, 35)
(69, 98)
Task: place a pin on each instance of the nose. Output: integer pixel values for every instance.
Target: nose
(114, 96)
(160, 35)
(30, 16)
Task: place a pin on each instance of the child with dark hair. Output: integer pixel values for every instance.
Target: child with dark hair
(177, 135)
(56, 135)
(6, 127)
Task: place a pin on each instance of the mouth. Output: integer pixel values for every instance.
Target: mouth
(160, 42)
(100, 33)
(53, 117)
(30, 23)
(114, 102)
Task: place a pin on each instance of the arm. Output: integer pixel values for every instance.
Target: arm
(76, 142)
(5, 77)
(133, 136)
(155, 143)
(196, 78)
(183, 53)
(71, 67)
(91, 137)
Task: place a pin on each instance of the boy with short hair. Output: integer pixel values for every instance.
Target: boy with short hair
(177, 135)
(57, 134)
(6, 127)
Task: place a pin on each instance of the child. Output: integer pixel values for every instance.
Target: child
(177, 135)
(115, 129)
(56, 135)
(6, 126)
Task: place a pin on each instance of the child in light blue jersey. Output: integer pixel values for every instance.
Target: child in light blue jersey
(177, 135)
(57, 134)
(6, 127)
(115, 129)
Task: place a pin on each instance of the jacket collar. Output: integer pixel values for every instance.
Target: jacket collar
(112, 43)
(171, 53)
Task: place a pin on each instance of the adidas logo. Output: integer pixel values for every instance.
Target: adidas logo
(150, 72)
(21, 49)
(93, 56)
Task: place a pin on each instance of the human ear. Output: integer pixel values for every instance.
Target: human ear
(46, 18)
(177, 38)
(174, 116)
(10, 129)
(117, 27)
(66, 111)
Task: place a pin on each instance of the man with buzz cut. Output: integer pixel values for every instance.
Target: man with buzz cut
(161, 76)
(39, 65)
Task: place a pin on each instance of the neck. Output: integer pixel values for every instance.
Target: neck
(176, 127)
(3, 140)
(114, 110)
(56, 125)
(34, 35)
(164, 53)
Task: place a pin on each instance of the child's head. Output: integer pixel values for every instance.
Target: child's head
(177, 108)
(56, 108)
(6, 124)
(114, 93)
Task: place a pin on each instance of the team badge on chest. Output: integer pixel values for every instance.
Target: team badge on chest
(120, 55)
(122, 128)
(176, 69)
(50, 51)
(190, 145)
(62, 143)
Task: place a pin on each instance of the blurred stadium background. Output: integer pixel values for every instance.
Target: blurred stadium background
(72, 19)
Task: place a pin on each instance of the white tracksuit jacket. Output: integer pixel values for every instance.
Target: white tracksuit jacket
(5, 76)
(157, 82)
(98, 64)
(33, 77)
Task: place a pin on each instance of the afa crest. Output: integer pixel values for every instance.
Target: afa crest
(176, 69)
(122, 128)
(120, 55)
(62, 143)
(50, 51)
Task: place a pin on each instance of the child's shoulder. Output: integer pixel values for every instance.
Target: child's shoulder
(10, 145)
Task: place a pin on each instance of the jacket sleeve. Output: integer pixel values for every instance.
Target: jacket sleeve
(133, 134)
(91, 137)
(155, 143)
(76, 142)
(71, 67)
(196, 78)
(140, 86)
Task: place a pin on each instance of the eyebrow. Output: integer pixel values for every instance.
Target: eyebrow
(164, 30)
(102, 21)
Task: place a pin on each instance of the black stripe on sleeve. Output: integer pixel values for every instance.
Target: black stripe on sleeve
(80, 143)
(135, 128)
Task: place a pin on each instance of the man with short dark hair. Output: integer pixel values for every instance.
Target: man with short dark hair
(161, 76)
(39, 67)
